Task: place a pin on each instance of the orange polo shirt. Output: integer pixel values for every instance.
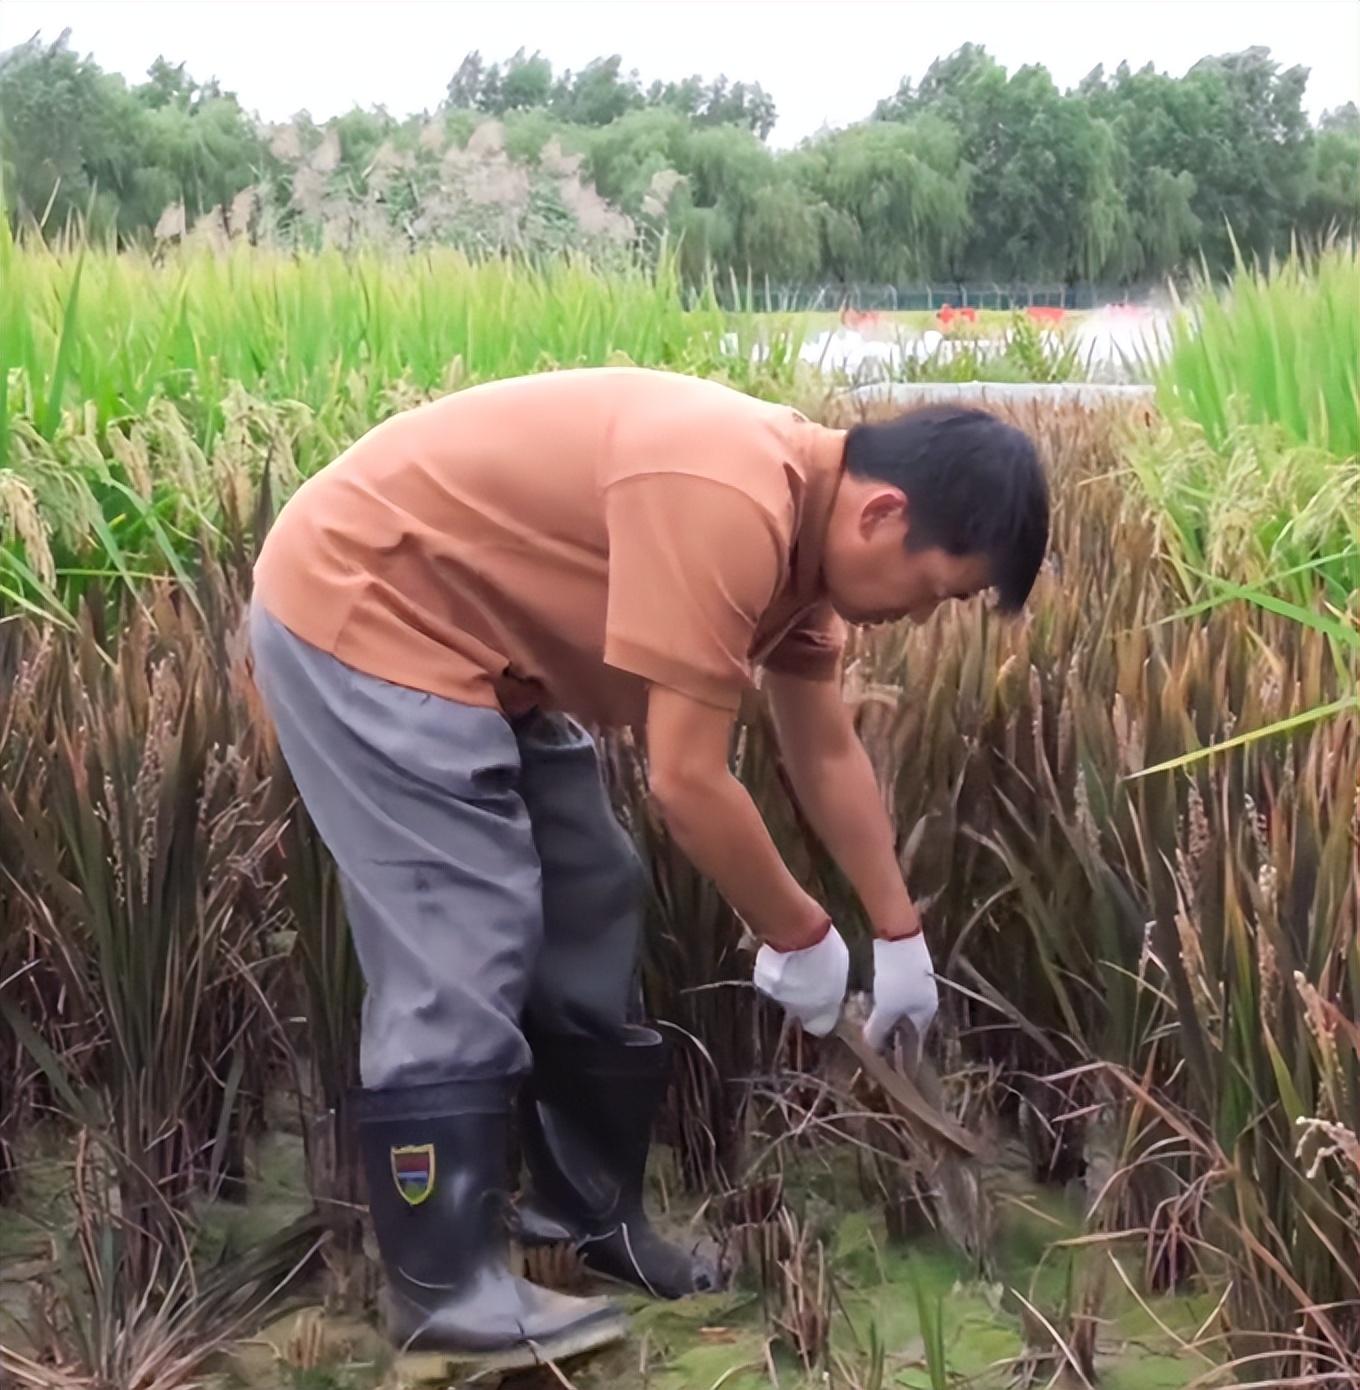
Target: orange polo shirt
(565, 540)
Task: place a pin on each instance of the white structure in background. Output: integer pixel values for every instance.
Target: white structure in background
(1119, 334)
(1110, 343)
(1000, 392)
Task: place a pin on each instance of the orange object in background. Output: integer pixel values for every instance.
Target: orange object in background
(1043, 313)
(861, 319)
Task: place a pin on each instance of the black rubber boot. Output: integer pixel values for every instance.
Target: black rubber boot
(586, 1118)
(436, 1161)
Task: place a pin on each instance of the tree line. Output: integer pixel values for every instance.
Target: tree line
(972, 173)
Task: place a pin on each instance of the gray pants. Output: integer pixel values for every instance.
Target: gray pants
(485, 877)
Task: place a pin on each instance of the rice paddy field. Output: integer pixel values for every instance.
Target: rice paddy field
(1131, 817)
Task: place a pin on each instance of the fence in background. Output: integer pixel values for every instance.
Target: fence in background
(977, 295)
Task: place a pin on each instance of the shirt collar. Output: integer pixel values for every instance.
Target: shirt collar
(823, 458)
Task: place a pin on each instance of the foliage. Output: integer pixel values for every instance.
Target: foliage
(1215, 1037)
(1195, 933)
(76, 142)
(1045, 205)
(330, 332)
(892, 200)
(599, 93)
(197, 373)
(972, 174)
(1154, 974)
(1256, 472)
(1226, 150)
(1281, 345)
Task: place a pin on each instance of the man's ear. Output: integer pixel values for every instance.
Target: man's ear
(882, 507)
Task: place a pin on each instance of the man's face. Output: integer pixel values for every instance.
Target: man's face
(872, 577)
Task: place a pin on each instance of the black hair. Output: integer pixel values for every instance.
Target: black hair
(974, 485)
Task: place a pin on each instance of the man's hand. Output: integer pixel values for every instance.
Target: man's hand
(904, 987)
(808, 984)
(835, 785)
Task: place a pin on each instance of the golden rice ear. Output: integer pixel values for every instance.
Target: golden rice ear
(557, 1266)
(22, 520)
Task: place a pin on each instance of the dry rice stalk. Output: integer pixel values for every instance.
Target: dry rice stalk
(803, 1317)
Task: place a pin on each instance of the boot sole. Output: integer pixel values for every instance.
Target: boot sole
(440, 1365)
(633, 1286)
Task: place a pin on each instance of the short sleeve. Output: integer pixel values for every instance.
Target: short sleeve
(813, 648)
(693, 563)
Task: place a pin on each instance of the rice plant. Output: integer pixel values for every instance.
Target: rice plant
(141, 398)
(1165, 962)
(1280, 344)
(1255, 476)
(331, 331)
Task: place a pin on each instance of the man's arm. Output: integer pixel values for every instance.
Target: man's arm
(834, 782)
(716, 823)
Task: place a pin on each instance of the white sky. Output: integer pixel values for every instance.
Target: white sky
(822, 60)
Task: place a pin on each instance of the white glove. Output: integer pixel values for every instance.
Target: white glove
(904, 987)
(809, 984)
